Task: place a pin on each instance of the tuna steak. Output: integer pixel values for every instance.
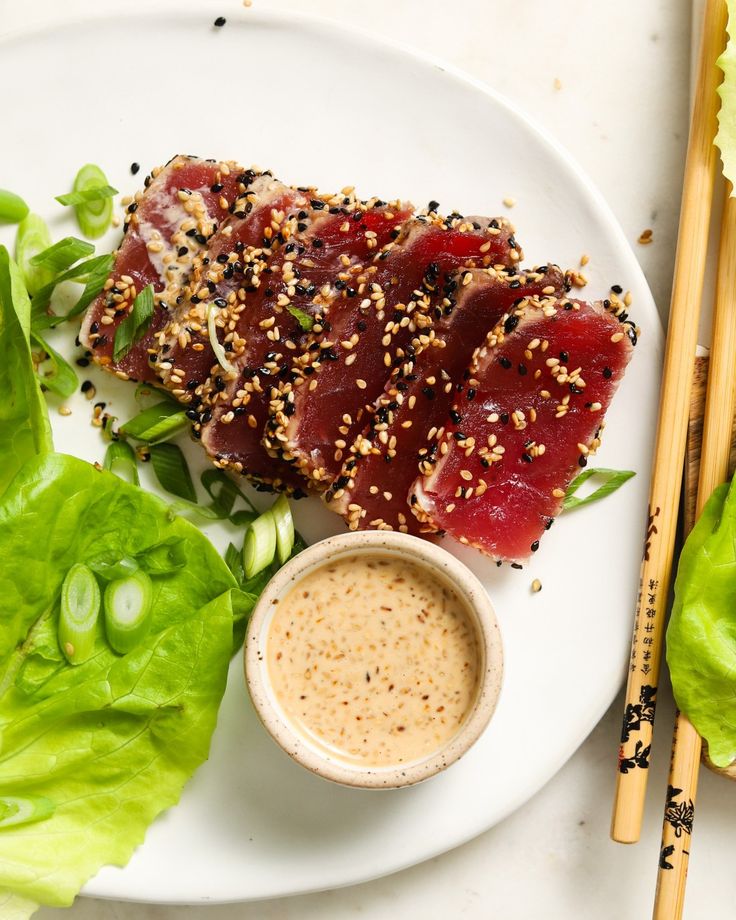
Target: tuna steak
(372, 490)
(530, 414)
(166, 227)
(382, 315)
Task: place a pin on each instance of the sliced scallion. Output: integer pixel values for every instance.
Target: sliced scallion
(224, 492)
(91, 198)
(220, 353)
(259, 547)
(304, 319)
(24, 809)
(80, 608)
(128, 603)
(60, 256)
(172, 471)
(120, 459)
(54, 372)
(112, 571)
(87, 195)
(284, 522)
(12, 207)
(157, 423)
(92, 273)
(32, 238)
(613, 480)
(135, 324)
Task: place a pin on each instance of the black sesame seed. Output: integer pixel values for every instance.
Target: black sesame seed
(510, 323)
(433, 205)
(564, 357)
(516, 565)
(522, 369)
(455, 416)
(82, 362)
(535, 546)
(607, 373)
(219, 22)
(504, 418)
(582, 461)
(504, 362)
(617, 289)
(134, 167)
(471, 394)
(87, 385)
(318, 244)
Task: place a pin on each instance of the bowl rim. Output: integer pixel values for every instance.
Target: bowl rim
(322, 762)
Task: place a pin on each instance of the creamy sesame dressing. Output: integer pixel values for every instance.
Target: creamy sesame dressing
(374, 659)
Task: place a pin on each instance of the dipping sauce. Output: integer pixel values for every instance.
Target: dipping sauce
(374, 658)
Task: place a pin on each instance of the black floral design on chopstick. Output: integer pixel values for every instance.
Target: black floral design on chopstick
(663, 856)
(679, 814)
(640, 758)
(636, 713)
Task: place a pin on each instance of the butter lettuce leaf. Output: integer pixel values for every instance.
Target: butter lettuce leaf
(24, 425)
(110, 742)
(701, 636)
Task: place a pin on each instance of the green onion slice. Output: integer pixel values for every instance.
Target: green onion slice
(128, 603)
(224, 492)
(12, 207)
(135, 324)
(220, 353)
(120, 459)
(284, 522)
(111, 571)
(32, 238)
(304, 319)
(87, 195)
(157, 423)
(172, 471)
(91, 198)
(54, 372)
(24, 809)
(60, 256)
(80, 607)
(259, 548)
(92, 274)
(612, 480)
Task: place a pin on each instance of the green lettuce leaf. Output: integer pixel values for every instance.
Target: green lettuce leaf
(24, 425)
(110, 742)
(701, 636)
(726, 136)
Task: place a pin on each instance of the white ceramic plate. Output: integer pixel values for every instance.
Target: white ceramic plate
(317, 104)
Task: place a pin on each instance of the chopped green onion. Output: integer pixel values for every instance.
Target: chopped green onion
(12, 207)
(24, 809)
(128, 603)
(158, 423)
(284, 528)
(31, 239)
(92, 273)
(54, 372)
(259, 548)
(87, 195)
(60, 256)
(613, 480)
(226, 493)
(220, 353)
(112, 571)
(92, 200)
(304, 319)
(135, 324)
(172, 471)
(80, 607)
(120, 459)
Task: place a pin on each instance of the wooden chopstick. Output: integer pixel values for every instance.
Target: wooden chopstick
(664, 496)
(715, 456)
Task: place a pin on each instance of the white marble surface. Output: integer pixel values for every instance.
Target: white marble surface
(610, 80)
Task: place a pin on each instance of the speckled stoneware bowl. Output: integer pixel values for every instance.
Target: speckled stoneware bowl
(443, 566)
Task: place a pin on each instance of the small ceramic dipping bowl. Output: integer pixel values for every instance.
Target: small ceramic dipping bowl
(444, 570)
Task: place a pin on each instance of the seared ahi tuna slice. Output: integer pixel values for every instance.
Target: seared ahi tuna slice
(376, 324)
(540, 387)
(296, 288)
(372, 490)
(225, 273)
(166, 226)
